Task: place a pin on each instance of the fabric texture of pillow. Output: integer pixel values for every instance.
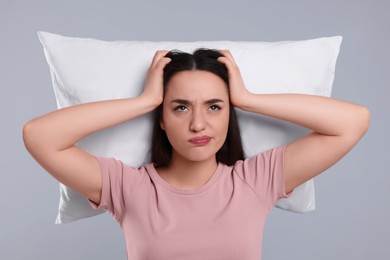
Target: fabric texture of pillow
(85, 70)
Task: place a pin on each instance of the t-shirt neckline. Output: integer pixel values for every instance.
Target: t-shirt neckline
(158, 179)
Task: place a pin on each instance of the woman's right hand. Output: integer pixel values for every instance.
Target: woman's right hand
(153, 88)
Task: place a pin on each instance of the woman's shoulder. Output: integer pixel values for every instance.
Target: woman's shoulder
(265, 157)
(115, 164)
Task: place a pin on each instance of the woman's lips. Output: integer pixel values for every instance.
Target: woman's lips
(200, 140)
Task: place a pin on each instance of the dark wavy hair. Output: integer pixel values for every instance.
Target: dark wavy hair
(202, 59)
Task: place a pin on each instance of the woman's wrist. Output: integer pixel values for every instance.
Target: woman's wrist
(242, 100)
(149, 102)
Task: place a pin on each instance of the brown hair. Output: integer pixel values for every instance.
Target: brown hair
(202, 59)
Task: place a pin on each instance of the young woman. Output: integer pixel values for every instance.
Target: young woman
(200, 198)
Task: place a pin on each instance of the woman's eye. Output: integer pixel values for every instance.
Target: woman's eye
(180, 108)
(215, 107)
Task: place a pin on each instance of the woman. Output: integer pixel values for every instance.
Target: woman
(199, 199)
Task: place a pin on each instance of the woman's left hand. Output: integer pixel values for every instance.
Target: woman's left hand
(238, 92)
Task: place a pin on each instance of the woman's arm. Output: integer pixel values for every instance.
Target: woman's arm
(51, 138)
(337, 125)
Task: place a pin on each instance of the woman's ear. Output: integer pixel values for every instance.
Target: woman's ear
(162, 124)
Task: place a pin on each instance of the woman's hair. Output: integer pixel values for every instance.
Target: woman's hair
(202, 59)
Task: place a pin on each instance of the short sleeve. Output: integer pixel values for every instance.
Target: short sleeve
(264, 173)
(118, 181)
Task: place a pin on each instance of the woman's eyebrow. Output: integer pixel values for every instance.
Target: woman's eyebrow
(187, 102)
(213, 101)
(181, 101)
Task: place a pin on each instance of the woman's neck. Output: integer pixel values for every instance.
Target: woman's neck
(185, 174)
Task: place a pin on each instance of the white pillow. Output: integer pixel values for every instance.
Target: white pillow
(85, 70)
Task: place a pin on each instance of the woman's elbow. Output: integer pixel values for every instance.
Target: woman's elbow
(359, 126)
(365, 120)
(26, 133)
(30, 135)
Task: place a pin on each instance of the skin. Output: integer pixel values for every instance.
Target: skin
(336, 127)
(196, 104)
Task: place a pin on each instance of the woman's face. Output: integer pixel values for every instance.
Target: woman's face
(195, 114)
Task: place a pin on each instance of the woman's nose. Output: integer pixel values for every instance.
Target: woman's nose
(197, 123)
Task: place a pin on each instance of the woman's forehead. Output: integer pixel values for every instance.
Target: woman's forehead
(198, 83)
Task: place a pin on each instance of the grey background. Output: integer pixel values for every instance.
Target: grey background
(352, 216)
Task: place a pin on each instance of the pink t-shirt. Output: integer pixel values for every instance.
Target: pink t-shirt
(221, 220)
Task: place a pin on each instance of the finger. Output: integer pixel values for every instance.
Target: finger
(162, 62)
(228, 54)
(222, 59)
(162, 59)
(157, 56)
(225, 53)
(225, 60)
